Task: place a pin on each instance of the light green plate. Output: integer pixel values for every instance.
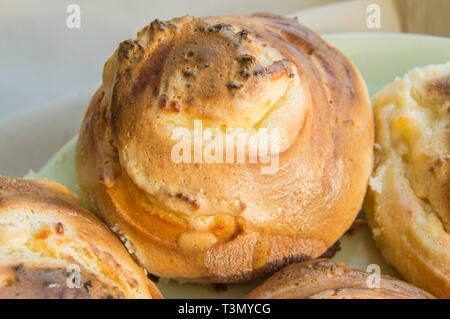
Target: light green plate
(380, 58)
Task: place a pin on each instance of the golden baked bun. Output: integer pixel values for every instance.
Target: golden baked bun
(324, 279)
(226, 222)
(408, 202)
(51, 247)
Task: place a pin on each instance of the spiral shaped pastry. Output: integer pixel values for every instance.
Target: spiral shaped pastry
(325, 279)
(408, 202)
(51, 247)
(226, 221)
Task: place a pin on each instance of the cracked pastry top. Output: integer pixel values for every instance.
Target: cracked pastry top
(226, 222)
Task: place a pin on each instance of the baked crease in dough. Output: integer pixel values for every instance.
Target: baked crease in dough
(408, 202)
(52, 248)
(324, 279)
(226, 222)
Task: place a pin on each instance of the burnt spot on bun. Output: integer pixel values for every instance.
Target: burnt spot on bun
(440, 86)
(23, 282)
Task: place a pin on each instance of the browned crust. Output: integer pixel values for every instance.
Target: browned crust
(338, 130)
(19, 282)
(323, 278)
(55, 202)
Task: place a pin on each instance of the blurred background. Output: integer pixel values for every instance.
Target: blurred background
(42, 59)
(49, 71)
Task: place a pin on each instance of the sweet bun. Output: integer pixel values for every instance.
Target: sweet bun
(226, 222)
(325, 279)
(408, 202)
(51, 247)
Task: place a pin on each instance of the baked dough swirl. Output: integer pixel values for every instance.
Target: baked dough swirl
(226, 222)
(408, 202)
(51, 247)
(325, 279)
